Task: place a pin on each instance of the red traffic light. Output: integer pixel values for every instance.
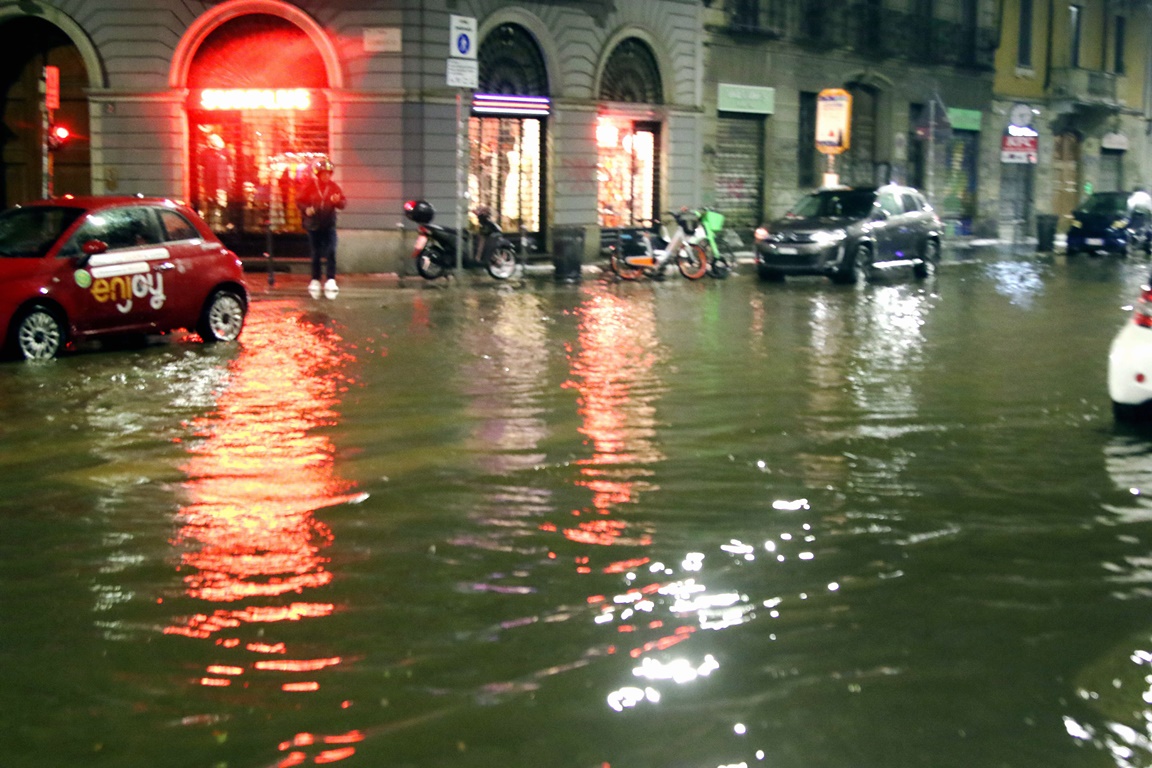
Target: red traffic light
(57, 135)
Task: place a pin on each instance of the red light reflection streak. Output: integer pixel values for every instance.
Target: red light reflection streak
(255, 475)
(612, 373)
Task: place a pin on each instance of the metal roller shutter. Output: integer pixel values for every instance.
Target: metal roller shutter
(740, 169)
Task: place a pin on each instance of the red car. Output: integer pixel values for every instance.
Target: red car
(75, 268)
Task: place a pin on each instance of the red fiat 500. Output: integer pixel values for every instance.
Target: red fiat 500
(73, 268)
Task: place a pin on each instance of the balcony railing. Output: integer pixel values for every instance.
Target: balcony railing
(1086, 86)
(866, 28)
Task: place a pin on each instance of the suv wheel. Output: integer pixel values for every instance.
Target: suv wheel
(858, 270)
(930, 261)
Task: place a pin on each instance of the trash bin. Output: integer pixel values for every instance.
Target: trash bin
(568, 253)
(1046, 233)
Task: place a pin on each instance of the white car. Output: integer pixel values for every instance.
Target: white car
(1130, 363)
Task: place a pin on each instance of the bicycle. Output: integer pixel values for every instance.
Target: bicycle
(721, 257)
(690, 257)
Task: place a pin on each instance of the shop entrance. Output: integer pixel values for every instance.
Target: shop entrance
(29, 45)
(505, 170)
(256, 122)
(626, 167)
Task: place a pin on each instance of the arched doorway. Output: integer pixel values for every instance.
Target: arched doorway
(628, 159)
(506, 130)
(256, 123)
(30, 43)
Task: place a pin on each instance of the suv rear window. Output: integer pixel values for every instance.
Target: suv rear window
(853, 203)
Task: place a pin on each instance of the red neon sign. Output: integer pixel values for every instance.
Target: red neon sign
(255, 98)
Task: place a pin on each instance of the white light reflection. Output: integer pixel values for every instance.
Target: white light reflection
(679, 671)
(629, 696)
(790, 506)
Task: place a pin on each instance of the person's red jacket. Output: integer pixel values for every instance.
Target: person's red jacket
(318, 200)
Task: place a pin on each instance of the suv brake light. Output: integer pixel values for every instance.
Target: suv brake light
(1142, 312)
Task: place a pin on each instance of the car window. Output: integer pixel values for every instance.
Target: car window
(31, 232)
(912, 202)
(891, 204)
(118, 228)
(853, 203)
(1105, 202)
(176, 227)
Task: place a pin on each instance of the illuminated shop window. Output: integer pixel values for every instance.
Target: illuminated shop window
(248, 163)
(256, 122)
(627, 150)
(626, 172)
(505, 170)
(507, 129)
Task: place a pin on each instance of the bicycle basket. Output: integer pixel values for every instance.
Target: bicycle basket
(712, 221)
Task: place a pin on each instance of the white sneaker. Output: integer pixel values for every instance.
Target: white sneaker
(314, 289)
(331, 289)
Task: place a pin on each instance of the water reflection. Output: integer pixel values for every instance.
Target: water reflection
(1020, 281)
(1118, 686)
(507, 357)
(613, 372)
(252, 549)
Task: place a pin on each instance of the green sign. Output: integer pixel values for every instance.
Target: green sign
(964, 119)
(746, 98)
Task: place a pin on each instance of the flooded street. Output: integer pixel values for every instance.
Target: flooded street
(603, 525)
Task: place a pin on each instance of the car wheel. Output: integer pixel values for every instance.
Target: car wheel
(930, 261)
(39, 334)
(1126, 413)
(222, 318)
(858, 271)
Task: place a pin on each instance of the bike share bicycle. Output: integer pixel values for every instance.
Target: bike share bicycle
(721, 257)
(690, 257)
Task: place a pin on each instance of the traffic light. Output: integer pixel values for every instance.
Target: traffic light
(57, 136)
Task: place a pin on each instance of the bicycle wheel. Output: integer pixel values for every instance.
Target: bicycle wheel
(692, 261)
(624, 270)
(723, 263)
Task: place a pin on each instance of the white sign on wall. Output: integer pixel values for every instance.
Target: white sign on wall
(463, 69)
(462, 37)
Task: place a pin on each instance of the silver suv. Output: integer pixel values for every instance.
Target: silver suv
(848, 234)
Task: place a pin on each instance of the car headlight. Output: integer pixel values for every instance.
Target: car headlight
(829, 237)
(1120, 224)
(761, 233)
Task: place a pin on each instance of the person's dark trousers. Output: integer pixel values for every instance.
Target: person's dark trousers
(323, 244)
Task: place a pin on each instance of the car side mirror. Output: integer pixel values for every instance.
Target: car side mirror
(879, 214)
(90, 248)
(93, 247)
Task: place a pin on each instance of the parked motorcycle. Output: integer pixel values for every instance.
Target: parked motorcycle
(435, 248)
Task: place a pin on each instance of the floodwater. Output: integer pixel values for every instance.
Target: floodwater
(601, 525)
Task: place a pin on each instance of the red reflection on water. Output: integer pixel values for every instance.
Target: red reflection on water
(612, 372)
(257, 473)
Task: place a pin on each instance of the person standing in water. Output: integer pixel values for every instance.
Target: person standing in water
(318, 199)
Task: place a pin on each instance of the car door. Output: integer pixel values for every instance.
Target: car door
(918, 224)
(119, 287)
(186, 280)
(887, 231)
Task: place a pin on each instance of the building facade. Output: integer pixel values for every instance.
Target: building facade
(1073, 89)
(920, 79)
(570, 114)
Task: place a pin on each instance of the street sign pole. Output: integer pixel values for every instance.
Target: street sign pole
(461, 215)
(462, 70)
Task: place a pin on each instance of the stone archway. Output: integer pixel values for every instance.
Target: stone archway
(256, 122)
(30, 43)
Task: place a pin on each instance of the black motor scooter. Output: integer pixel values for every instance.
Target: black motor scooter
(435, 248)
